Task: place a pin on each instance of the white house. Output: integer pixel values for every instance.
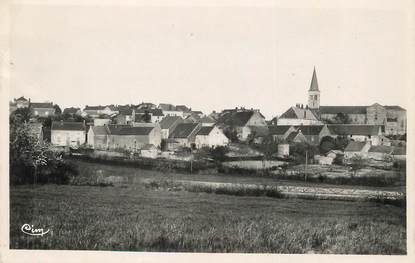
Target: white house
(68, 133)
(210, 136)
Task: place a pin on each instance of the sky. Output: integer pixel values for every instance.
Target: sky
(207, 57)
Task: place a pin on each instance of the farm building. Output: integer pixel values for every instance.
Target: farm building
(185, 134)
(168, 124)
(240, 120)
(132, 138)
(97, 137)
(68, 133)
(361, 133)
(210, 136)
(356, 148)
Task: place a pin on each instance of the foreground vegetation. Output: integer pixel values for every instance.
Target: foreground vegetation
(136, 218)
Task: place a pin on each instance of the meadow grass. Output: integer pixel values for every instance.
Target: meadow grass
(138, 218)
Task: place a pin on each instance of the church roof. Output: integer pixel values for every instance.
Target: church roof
(314, 83)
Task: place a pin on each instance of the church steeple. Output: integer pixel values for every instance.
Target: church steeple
(314, 92)
(314, 83)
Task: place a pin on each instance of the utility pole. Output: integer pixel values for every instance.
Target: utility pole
(305, 167)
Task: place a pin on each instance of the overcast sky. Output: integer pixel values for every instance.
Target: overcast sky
(208, 58)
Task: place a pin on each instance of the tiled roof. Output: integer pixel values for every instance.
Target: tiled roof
(70, 110)
(99, 130)
(128, 130)
(342, 109)
(94, 107)
(125, 111)
(205, 130)
(355, 146)
(298, 113)
(352, 129)
(310, 129)
(278, 129)
(233, 118)
(381, 149)
(207, 119)
(184, 130)
(291, 136)
(168, 121)
(68, 126)
(22, 98)
(41, 105)
(394, 107)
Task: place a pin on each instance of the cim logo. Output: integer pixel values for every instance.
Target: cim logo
(30, 230)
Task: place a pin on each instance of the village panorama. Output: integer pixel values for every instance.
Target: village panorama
(155, 176)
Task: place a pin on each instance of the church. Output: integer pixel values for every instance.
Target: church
(391, 117)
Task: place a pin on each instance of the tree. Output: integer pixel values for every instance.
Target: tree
(327, 144)
(232, 134)
(356, 163)
(23, 114)
(33, 161)
(58, 110)
(298, 151)
(341, 142)
(147, 116)
(342, 118)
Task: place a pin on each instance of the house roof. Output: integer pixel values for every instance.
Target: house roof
(394, 107)
(167, 107)
(41, 105)
(125, 111)
(235, 118)
(381, 149)
(68, 126)
(94, 107)
(292, 136)
(22, 98)
(169, 121)
(128, 130)
(278, 129)
(207, 119)
(353, 129)
(183, 130)
(298, 113)
(182, 108)
(70, 110)
(342, 109)
(310, 129)
(156, 112)
(205, 130)
(99, 130)
(314, 83)
(355, 146)
(399, 150)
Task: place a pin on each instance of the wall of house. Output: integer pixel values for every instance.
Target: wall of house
(101, 122)
(43, 112)
(173, 113)
(376, 114)
(400, 115)
(155, 119)
(215, 138)
(155, 136)
(130, 142)
(256, 120)
(67, 138)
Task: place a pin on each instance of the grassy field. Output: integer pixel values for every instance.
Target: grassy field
(132, 217)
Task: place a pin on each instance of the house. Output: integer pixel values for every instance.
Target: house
(380, 152)
(96, 111)
(239, 121)
(170, 110)
(125, 116)
(280, 132)
(155, 115)
(146, 106)
(356, 148)
(68, 133)
(192, 118)
(298, 115)
(314, 133)
(149, 151)
(19, 103)
(185, 134)
(258, 133)
(283, 150)
(296, 137)
(132, 138)
(168, 124)
(323, 160)
(97, 137)
(362, 133)
(210, 136)
(182, 108)
(42, 109)
(72, 111)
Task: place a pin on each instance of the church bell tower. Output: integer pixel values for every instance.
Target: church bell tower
(314, 93)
